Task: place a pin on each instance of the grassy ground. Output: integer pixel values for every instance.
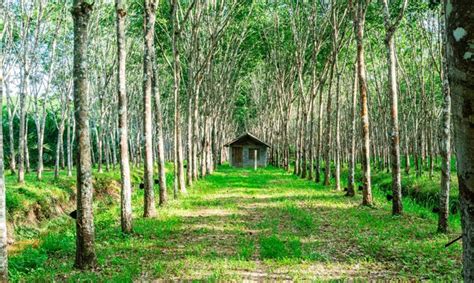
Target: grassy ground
(257, 225)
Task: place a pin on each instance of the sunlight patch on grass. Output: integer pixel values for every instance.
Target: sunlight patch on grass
(204, 212)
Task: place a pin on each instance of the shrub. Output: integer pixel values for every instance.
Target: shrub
(28, 260)
(58, 243)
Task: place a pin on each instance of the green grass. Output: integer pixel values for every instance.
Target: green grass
(238, 223)
(424, 189)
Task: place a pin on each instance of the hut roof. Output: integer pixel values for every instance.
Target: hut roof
(246, 137)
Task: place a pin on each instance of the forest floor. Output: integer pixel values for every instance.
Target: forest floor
(255, 225)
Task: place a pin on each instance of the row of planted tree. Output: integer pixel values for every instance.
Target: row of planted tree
(320, 80)
(132, 83)
(142, 82)
(344, 96)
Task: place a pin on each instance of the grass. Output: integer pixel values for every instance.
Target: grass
(263, 225)
(424, 189)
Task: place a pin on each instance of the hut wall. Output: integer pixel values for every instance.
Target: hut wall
(247, 158)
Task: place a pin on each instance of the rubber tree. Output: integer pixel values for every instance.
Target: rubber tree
(361, 11)
(460, 56)
(3, 211)
(445, 136)
(391, 27)
(149, 26)
(126, 192)
(85, 234)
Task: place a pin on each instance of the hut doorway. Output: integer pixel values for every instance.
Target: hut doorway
(237, 154)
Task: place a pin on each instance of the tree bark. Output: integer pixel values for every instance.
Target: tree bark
(159, 141)
(26, 147)
(85, 236)
(179, 166)
(337, 157)
(361, 70)
(319, 139)
(352, 153)
(58, 150)
(327, 145)
(397, 206)
(189, 136)
(460, 55)
(11, 115)
(149, 25)
(445, 139)
(3, 212)
(390, 29)
(296, 169)
(196, 134)
(70, 139)
(21, 132)
(126, 193)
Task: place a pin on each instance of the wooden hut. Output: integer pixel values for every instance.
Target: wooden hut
(248, 151)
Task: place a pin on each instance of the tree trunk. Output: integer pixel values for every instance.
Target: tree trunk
(311, 137)
(58, 149)
(26, 147)
(40, 166)
(149, 25)
(460, 54)
(319, 139)
(11, 139)
(159, 141)
(70, 136)
(296, 169)
(3, 212)
(390, 29)
(107, 152)
(113, 147)
(189, 148)
(208, 161)
(352, 163)
(195, 133)
(397, 206)
(179, 166)
(85, 253)
(12, 145)
(360, 23)
(407, 151)
(126, 193)
(327, 144)
(338, 136)
(303, 144)
(445, 141)
(21, 133)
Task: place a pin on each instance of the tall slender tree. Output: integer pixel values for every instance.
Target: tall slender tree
(178, 145)
(3, 210)
(126, 193)
(352, 150)
(460, 55)
(85, 234)
(391, 27)
(361, 11)
(445, 131)
(149, 26)
(160, 144)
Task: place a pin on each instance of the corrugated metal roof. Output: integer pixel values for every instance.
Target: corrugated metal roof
(245, 135)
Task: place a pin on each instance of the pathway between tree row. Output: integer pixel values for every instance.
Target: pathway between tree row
(272, 225)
